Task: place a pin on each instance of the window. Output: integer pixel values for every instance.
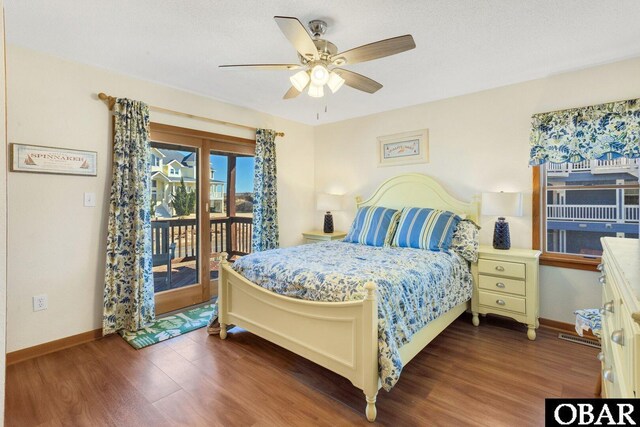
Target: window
(577, 204)
(155, 161)
(173, 171)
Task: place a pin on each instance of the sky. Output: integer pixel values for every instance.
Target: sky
(244, 172)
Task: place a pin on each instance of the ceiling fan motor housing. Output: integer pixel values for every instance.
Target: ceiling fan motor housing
(318, 27)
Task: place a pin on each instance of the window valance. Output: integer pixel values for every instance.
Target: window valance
(598, 132)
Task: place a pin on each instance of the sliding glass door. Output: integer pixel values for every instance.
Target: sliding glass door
(230, 205)
(201, 207)
(174, 212)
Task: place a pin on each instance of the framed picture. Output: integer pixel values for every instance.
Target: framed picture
(34, 158)
(403, 148)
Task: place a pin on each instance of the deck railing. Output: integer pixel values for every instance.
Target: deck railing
(597, 166)
(632, 213)
(228, 234)
(599, 213)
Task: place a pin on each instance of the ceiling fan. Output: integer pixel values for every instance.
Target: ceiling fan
(320, 61)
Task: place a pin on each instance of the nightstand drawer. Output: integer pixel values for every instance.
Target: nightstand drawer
(501, 268)
(500, 284)
(502, 302)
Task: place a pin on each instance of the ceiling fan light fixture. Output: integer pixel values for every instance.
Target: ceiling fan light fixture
(335, 82)
(319, 75)
(316, 91)
(300, 80)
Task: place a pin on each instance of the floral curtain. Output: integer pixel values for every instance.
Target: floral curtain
(265, 204)
(128, 292)
(602, 132)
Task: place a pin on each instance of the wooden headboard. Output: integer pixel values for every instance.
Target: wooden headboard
(421, 191)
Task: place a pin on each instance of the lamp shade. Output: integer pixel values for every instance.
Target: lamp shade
(328, 202)
(316, 91)
(300, 80)
(502, 204)
(335, 82)
(319, 75)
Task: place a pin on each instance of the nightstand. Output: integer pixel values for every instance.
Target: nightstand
(505, 282)
(316, 236)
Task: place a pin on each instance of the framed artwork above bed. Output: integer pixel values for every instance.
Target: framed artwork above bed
(404, 148)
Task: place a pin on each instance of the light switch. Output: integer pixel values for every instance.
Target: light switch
(89, 200)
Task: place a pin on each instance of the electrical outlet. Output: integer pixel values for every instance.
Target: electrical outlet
(40, 302)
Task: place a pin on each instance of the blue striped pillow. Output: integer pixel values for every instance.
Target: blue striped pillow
(425, 228)
(371, 226)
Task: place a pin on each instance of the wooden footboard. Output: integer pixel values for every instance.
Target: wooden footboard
(341, 336)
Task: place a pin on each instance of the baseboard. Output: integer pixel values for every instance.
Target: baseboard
(52, 346)
(564, 327)
(61, 344)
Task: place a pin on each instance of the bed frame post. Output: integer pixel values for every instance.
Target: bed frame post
(222, 294)
(370, 350)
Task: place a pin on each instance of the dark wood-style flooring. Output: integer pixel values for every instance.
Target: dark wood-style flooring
(490, 376)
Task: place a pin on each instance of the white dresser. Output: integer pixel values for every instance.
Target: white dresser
(620, 354)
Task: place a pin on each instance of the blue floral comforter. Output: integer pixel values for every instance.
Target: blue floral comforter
(414, 286)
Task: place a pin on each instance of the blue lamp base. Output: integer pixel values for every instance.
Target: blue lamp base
(501, 237)
(328, 223)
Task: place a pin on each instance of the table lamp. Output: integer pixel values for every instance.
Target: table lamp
(501, 205)
(328, 202)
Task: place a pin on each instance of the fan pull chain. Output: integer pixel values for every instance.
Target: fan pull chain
(326, 109)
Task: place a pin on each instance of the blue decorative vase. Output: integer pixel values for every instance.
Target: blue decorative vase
(501, 237)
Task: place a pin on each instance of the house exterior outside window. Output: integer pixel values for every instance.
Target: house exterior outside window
(168, 168)
(577, 204)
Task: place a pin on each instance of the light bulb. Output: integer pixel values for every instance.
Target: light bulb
(335, 82)
(319, 75)
(300, 80)
(316, 91)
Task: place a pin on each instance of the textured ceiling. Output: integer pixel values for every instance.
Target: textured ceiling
(463, 46)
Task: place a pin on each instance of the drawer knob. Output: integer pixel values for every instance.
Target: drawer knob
(500, 302)
(499, 268)
(618, 337)
(602, 280)
(608, 306)
(608, 375)
(599, 267)
(601, 356)
(500, 285)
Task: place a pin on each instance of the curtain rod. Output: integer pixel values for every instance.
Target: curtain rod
(110, 100)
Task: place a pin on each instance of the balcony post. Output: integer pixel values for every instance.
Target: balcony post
(231, 204)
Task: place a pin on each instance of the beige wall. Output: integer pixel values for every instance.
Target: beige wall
(478, 142)
(3, 217)
(56, 246)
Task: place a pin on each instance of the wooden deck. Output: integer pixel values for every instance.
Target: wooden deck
(182, 274)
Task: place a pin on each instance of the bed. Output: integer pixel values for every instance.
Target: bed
(340, 336)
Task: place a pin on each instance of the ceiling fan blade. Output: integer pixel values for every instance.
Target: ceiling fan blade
(358, 81)
(265, 66)
(376, 50)
(291, 93)
(295, 32)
